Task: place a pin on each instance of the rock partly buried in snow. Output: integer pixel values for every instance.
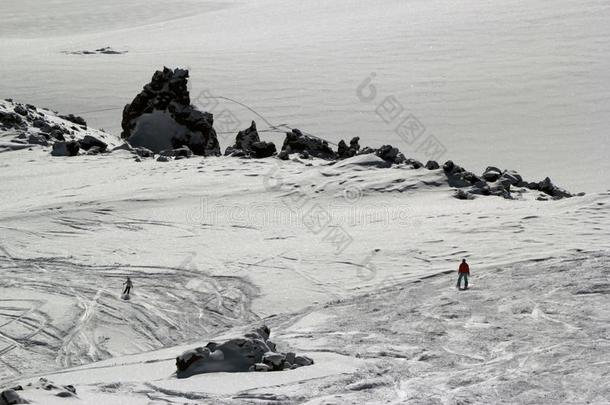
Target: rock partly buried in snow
(38, 126)
(11, 397)
(458, 177)
(491, 174)
(363, 161)
(248, 143)
(263, 149)
(297, 142)
(161, 117)
(89, 142)
(75, 119)
(179, 153)
(511, 177)
(38, 139)
(253, 352)
(547, 187)
(432, 165)
(100, 51)
(62, 148)
(390, 154)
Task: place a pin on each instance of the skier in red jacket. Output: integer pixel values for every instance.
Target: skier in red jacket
(464, 272)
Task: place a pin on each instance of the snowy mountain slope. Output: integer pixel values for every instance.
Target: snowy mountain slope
(520, 85)
(220, 243)
(530, 333)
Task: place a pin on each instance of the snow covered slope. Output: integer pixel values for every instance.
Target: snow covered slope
(217, 245)
(520, 84)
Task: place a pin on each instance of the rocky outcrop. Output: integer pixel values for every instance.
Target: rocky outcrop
(28, 125)
(346, 152)
(297, 142)
(161, 117)
(253, 352)
(390, 154)
(248, 143)
(497, 183)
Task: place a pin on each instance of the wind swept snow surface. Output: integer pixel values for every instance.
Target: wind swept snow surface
(216, 246)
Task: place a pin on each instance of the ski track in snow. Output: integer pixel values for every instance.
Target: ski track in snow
(151, 319)
(214, 247)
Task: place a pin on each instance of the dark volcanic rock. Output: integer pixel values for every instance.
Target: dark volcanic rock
(344, 151)
(248, 143)
(161, 117)
(38, 139)
(432, 165)
(390, 154)
(492, 174)
(458, 177)
(21, 110)
(262, 149)
(284, 155)
(547, 187)
(416, 164)
(252, 352)
(11, 120)
(89, 142)
(62, 148)
(512, 177)
(463, 195)
(75, 119)
(178, 153)
(299, 143)
(10, 397)
(246, 138)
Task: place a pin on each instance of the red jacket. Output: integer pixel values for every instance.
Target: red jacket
(464, 268)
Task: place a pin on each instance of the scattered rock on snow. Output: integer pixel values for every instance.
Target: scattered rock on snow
(179, 153)
(547, 186)
(511, 177)
(38, 139)
(75, 119)
(300, 143)
(248, 143)
(253, 352)
(89, 142)
(260, 367)
(390, 154)
(100, 51)
(10, 397)
(62, 148)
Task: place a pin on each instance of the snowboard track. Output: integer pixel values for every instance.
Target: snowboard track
(32, 339)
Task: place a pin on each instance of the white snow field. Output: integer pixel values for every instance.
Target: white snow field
(521, 84)
(350, 264)
(216, 246)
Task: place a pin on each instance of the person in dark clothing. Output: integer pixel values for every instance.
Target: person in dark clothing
(128, 284)
(463, 273)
